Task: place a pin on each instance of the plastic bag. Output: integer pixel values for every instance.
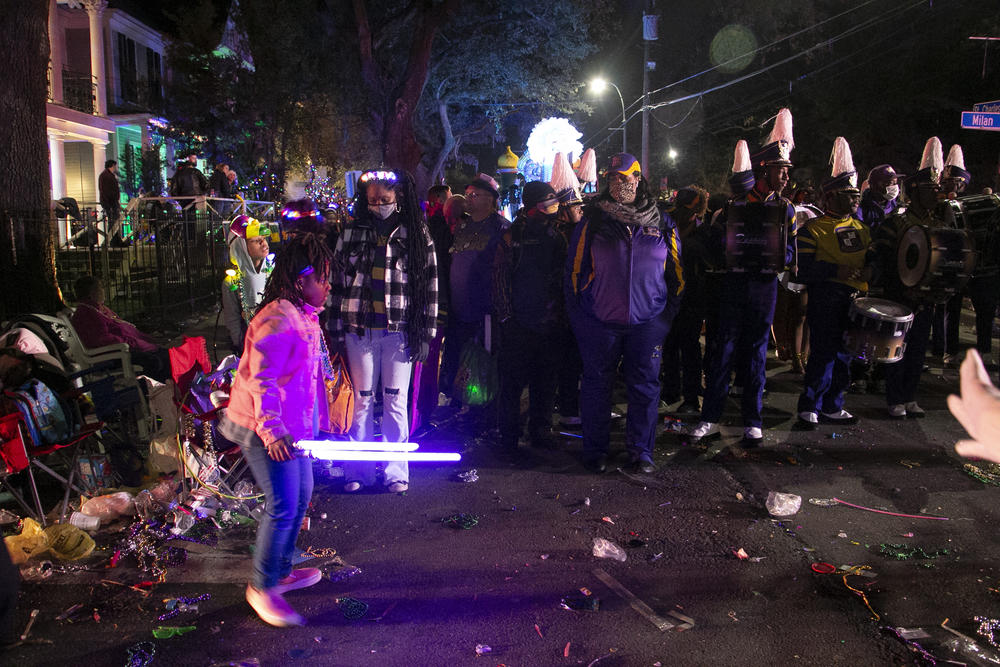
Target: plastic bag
(783, 504)
(476, 381)
(607, 549)
(110, 507)
(30, 543)
(340, 396)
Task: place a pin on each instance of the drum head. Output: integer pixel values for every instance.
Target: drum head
(912, 256)
(883, 309)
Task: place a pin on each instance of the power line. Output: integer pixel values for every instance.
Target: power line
(825, 43)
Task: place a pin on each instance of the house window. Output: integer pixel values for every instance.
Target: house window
(153, 77)
(127, 74)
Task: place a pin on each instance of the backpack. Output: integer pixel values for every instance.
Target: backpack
(43, 412)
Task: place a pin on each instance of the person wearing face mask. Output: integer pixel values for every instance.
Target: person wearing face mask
(902, 377)
(528, 302)
(385, 304)
(832, 255)
(624, 282)
(682, 349)
(881, 198)
(243, 286)
(756, 220)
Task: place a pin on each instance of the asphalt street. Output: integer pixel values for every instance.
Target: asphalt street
(434, 592)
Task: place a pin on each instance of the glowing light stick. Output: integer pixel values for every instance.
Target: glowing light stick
(359, 445)
(331, 454)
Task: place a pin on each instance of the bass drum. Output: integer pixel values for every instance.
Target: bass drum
(756, 237)
(979, 217)
(877, 330)
(935, 262)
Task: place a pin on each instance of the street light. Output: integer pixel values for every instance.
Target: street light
(599, 85)
(672, 154)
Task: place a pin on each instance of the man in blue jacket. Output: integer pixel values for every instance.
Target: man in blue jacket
(624, 282)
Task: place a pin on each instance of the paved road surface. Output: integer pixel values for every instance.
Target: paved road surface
(436, 592)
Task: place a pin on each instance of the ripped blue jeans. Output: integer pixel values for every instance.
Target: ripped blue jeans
(379, 355)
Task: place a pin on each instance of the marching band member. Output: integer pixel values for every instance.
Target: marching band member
(831, 261)
(922, 189)
(944, 331)
(750, 290)
(880, 199)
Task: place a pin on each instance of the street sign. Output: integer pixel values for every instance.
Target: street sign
(987, 107)
(972, 120)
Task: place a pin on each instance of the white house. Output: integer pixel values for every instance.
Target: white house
(106, 76)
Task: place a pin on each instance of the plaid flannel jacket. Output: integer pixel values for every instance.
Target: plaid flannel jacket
(351, 291)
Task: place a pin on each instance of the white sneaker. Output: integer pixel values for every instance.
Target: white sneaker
(753, 434)
(705, 431)
(897, 411)
(809, 418)
(272, 608)
(352, 487)
(914, 410)
(839, 417)
(949, 359)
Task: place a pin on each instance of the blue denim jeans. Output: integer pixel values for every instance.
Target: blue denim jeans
(287, 487)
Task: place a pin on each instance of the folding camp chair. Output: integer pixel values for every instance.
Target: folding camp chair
(121, 400)
(19, 453)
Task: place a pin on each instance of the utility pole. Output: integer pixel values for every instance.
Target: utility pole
(986, 49)
(648, 35)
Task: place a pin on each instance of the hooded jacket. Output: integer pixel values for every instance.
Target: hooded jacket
(243, 291)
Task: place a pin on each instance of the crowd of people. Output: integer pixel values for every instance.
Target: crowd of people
(575, 294)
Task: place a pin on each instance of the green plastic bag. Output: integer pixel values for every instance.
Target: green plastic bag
(476, 382)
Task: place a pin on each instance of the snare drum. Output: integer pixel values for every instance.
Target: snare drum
(936, 261)
(877, 330)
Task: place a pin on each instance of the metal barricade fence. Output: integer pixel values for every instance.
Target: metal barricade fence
(171, 263)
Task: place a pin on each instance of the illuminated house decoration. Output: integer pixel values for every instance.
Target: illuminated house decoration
(548, 137)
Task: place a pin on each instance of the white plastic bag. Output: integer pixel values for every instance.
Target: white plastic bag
(607, 549)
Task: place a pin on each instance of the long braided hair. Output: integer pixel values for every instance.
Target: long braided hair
(411, 216)
(305, 247)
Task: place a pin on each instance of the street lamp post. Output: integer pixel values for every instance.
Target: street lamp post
(599, 85)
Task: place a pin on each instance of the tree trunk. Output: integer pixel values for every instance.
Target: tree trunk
(27, 251)
(399, 142)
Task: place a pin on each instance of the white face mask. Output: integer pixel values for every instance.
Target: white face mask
(383, 211)
(891, 192)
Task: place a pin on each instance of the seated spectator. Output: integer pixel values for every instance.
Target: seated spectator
(98, 325)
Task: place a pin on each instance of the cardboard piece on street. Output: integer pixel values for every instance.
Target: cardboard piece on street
(637, 604)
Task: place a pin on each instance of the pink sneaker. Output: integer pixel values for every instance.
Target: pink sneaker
(302, 578)
(272, 608)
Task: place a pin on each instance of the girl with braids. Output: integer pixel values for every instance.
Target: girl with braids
(385, 302)
(278, 398)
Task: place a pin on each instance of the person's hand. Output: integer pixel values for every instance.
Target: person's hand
(978, 410)
(419, 352)
(280, 450)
